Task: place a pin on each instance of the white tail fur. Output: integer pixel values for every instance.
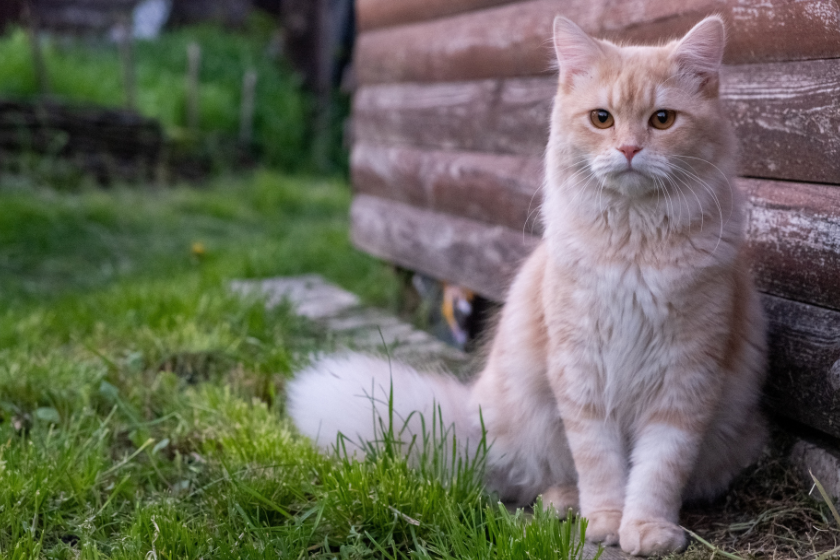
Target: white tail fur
(355, 394)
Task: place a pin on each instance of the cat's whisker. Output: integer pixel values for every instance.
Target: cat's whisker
(722, 174)
(579, 189)
(669, 207)
(688, 185)
(712, 193)
(531, 212)
(542, 186)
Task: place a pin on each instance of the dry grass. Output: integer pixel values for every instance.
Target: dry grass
(767, 514)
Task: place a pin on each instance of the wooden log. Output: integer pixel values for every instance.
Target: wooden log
(794, 235)
(512, 40)
(804, 340)
(793, 228)
(440, 245)
(515, 39)
(503, 116)
(372, 14)
(786, 115)
(495, 189)
(804, 359)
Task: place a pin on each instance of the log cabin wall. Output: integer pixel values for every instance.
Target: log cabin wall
(450, 122)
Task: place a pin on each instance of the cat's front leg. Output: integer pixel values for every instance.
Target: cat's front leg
(598, 451)
(662, 459)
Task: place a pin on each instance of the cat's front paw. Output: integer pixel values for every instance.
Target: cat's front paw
(647, 537)
(562, 499)
(602, 526)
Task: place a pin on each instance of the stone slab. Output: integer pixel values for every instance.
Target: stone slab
(810, 458)
(354, 326)
(310, 295)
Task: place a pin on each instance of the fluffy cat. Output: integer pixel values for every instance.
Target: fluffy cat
(625, 373)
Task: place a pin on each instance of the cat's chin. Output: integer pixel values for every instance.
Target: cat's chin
(631, 183)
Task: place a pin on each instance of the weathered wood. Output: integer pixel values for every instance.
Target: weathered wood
(514, 40)
(490, 188)
(787, 116)
(793, 228)
(804, 362)
(504, 116)
(794, 234)
(440, 245)
(804, 340)
(372, 14)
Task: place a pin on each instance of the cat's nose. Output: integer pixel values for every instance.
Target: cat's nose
(629, 151)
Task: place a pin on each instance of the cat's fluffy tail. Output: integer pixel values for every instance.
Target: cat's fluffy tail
(356, 395)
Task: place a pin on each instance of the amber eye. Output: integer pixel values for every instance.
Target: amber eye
(663, 119)
(601, 118)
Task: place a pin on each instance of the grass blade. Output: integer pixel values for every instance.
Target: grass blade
(827, 498)
(712, 547)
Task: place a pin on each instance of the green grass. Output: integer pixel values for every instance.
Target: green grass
(91, 73)
(141, 405)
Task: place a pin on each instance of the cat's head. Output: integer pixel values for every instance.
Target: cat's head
(640, 119)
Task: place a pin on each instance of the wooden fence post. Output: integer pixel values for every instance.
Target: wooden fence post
(31, 21)
(246, 114)
(323, 116)
(193, 67)
(126, 43)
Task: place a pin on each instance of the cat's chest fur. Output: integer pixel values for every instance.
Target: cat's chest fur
(620, 307)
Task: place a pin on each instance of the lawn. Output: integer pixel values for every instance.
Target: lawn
(141, 404)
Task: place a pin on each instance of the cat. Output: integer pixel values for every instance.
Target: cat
(625, 373)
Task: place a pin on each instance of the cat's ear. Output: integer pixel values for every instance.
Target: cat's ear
(700, 53)
(576, 51)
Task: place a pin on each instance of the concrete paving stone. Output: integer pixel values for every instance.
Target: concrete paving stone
(356, 327)
(361, 319)
(809, 458)
(310, 294)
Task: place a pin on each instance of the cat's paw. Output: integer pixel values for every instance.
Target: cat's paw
(562, 499)
(602, 526)
(647, 537)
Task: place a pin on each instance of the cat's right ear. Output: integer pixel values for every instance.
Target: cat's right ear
(576, 51)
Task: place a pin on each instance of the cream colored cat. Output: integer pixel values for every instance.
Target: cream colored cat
(625, 374)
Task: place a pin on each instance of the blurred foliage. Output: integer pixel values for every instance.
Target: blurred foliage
(89, 71)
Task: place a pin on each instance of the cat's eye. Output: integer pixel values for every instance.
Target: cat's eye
(601, 118)
(663, 119)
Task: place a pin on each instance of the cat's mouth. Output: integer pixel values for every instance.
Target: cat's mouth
(629, 172)
(631, 181)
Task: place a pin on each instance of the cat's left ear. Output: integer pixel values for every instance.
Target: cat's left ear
(700, 53)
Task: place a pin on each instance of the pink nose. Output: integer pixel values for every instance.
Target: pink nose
(629, 151)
